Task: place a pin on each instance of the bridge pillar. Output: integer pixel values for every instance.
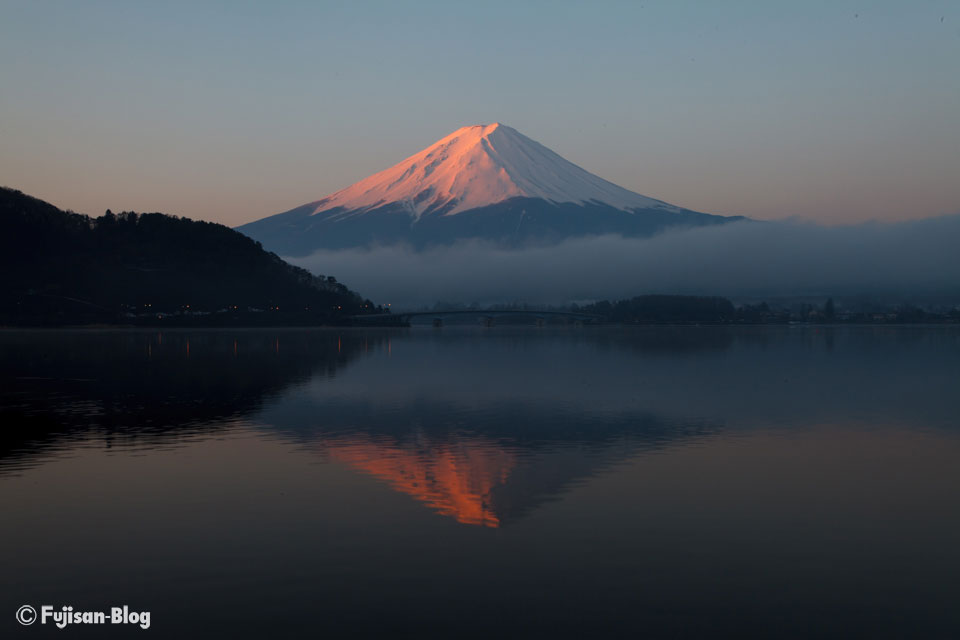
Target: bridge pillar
(437, 323)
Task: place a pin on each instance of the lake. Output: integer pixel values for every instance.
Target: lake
(505, 482)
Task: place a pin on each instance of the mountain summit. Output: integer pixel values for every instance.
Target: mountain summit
(487, 182)
(478, 166)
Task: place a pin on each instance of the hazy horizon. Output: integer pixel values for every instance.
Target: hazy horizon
(828, 112)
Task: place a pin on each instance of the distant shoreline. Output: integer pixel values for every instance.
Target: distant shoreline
(362, 326)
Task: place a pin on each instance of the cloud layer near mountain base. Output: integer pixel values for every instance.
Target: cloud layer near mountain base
(737, 259)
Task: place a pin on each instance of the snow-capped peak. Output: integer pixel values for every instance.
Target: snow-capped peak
(477, 166)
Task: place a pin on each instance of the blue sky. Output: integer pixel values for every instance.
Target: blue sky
(829, 111)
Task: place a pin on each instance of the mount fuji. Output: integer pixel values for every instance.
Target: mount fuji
(486, 182)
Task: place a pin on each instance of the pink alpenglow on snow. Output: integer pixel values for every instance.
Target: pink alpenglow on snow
(486, 182)
(478, 166)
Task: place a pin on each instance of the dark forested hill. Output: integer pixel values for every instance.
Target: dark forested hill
(59, 267)
(660, 309)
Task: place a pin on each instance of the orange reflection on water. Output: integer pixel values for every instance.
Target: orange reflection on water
(454, 480)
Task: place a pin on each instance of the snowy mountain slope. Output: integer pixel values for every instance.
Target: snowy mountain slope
(479, 166)
(487, 182)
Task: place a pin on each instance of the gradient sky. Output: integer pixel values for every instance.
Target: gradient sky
(831, 111)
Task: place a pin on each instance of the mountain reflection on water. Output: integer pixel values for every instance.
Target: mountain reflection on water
(482, 480)
(456, 481)
(480, 427)
(478, 482)
(482, 464)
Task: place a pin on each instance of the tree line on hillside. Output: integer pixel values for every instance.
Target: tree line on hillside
(663, 309)
(677, 309)
(60, 267)
(684, 309)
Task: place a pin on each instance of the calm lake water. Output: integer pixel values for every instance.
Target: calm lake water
(504, 482)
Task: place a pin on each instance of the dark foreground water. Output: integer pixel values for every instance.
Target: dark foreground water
(593, 482)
